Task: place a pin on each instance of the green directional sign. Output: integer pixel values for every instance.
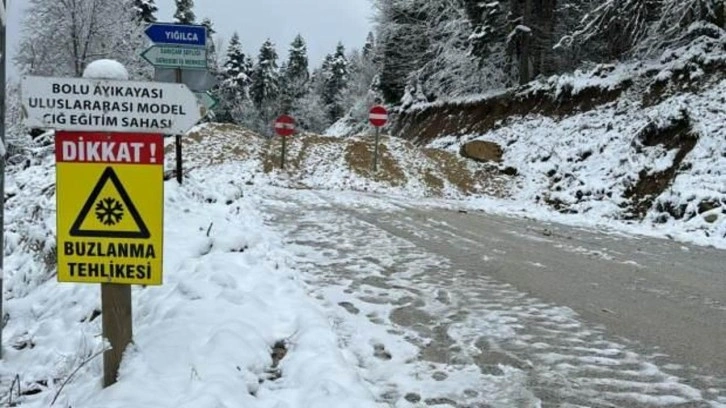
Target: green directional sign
(206, 100)
(176, 57)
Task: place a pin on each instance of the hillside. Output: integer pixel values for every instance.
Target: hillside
(321, 162)
(639, 144)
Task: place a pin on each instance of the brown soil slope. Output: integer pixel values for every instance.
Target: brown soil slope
(314, 161)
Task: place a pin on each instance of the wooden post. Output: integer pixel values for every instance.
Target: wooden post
(117, 328)
(178, 140)
(375, 151)
(284, 147)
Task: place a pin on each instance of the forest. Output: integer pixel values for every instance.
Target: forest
(420, 51)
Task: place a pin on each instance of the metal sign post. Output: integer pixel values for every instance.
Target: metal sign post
(181, 48)
(378, 117)
(285, 127)
(178, 143)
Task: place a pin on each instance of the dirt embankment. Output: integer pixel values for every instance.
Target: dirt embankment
(315, 161)
(684, 70)
(423, 125)
(583, 111)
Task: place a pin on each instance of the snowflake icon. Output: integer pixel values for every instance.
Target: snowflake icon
(109, 211)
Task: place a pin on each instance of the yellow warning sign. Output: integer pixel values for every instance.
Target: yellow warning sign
(109, 213)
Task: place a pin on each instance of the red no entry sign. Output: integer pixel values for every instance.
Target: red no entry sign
(285, 125)
(378, 116)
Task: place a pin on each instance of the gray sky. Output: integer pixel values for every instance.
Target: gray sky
(321, 22)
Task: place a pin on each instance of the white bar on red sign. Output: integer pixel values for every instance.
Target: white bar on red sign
(378, 116)
(280, 125)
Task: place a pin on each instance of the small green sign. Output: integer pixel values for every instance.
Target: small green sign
(176, 57)
(206, 100)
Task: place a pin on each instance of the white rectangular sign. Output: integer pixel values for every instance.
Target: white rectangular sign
(108, 106)
(176, 57)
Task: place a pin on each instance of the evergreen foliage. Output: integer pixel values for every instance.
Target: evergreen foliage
(265, 88)
(335, 76)
(146, 10)
(184, 12)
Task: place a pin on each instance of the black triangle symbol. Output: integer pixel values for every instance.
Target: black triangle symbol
(109, 174)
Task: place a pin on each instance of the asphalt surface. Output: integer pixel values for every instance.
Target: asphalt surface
(590, 318)
(658, 292)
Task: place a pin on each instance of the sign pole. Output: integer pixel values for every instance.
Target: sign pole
(2, 162)
(378, 116)
(285, 127)
(375, 151)
(178, 139)
(284, 146)
(117, 327)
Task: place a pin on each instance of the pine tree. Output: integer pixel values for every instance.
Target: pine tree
(145, 10)
(212, 57)
(296, 74)
(488, 20)
(265, 88)
(569, 14)
(184, 13)
(614, 27)
(235, 81)
(682, 20)
(403, 41)
(336, 78)
(369, 46)
(362, 91)
(309, 111)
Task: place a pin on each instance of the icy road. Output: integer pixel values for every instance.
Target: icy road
(449, 308)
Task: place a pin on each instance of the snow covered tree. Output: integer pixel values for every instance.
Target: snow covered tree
(309, 111)
(296, 75)
(369, 46)
(403, 43)
(362, 91)
(614, 27)
(184, 12)
(235, 81)
(489, 26)
(146, 10)
(212, 57)
(568, 14)
(265, 88)
(60, 38)
(335, 76)
(426, 45)
(17, 137)
(681, 20)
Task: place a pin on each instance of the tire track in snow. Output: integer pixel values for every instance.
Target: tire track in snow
(438, 336)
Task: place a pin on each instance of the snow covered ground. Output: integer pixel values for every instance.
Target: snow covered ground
(587, 162)
(274, 299)
(650, 162)
(203, 339)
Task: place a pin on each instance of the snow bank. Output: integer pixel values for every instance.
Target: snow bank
(203, 339)
(652, 161)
